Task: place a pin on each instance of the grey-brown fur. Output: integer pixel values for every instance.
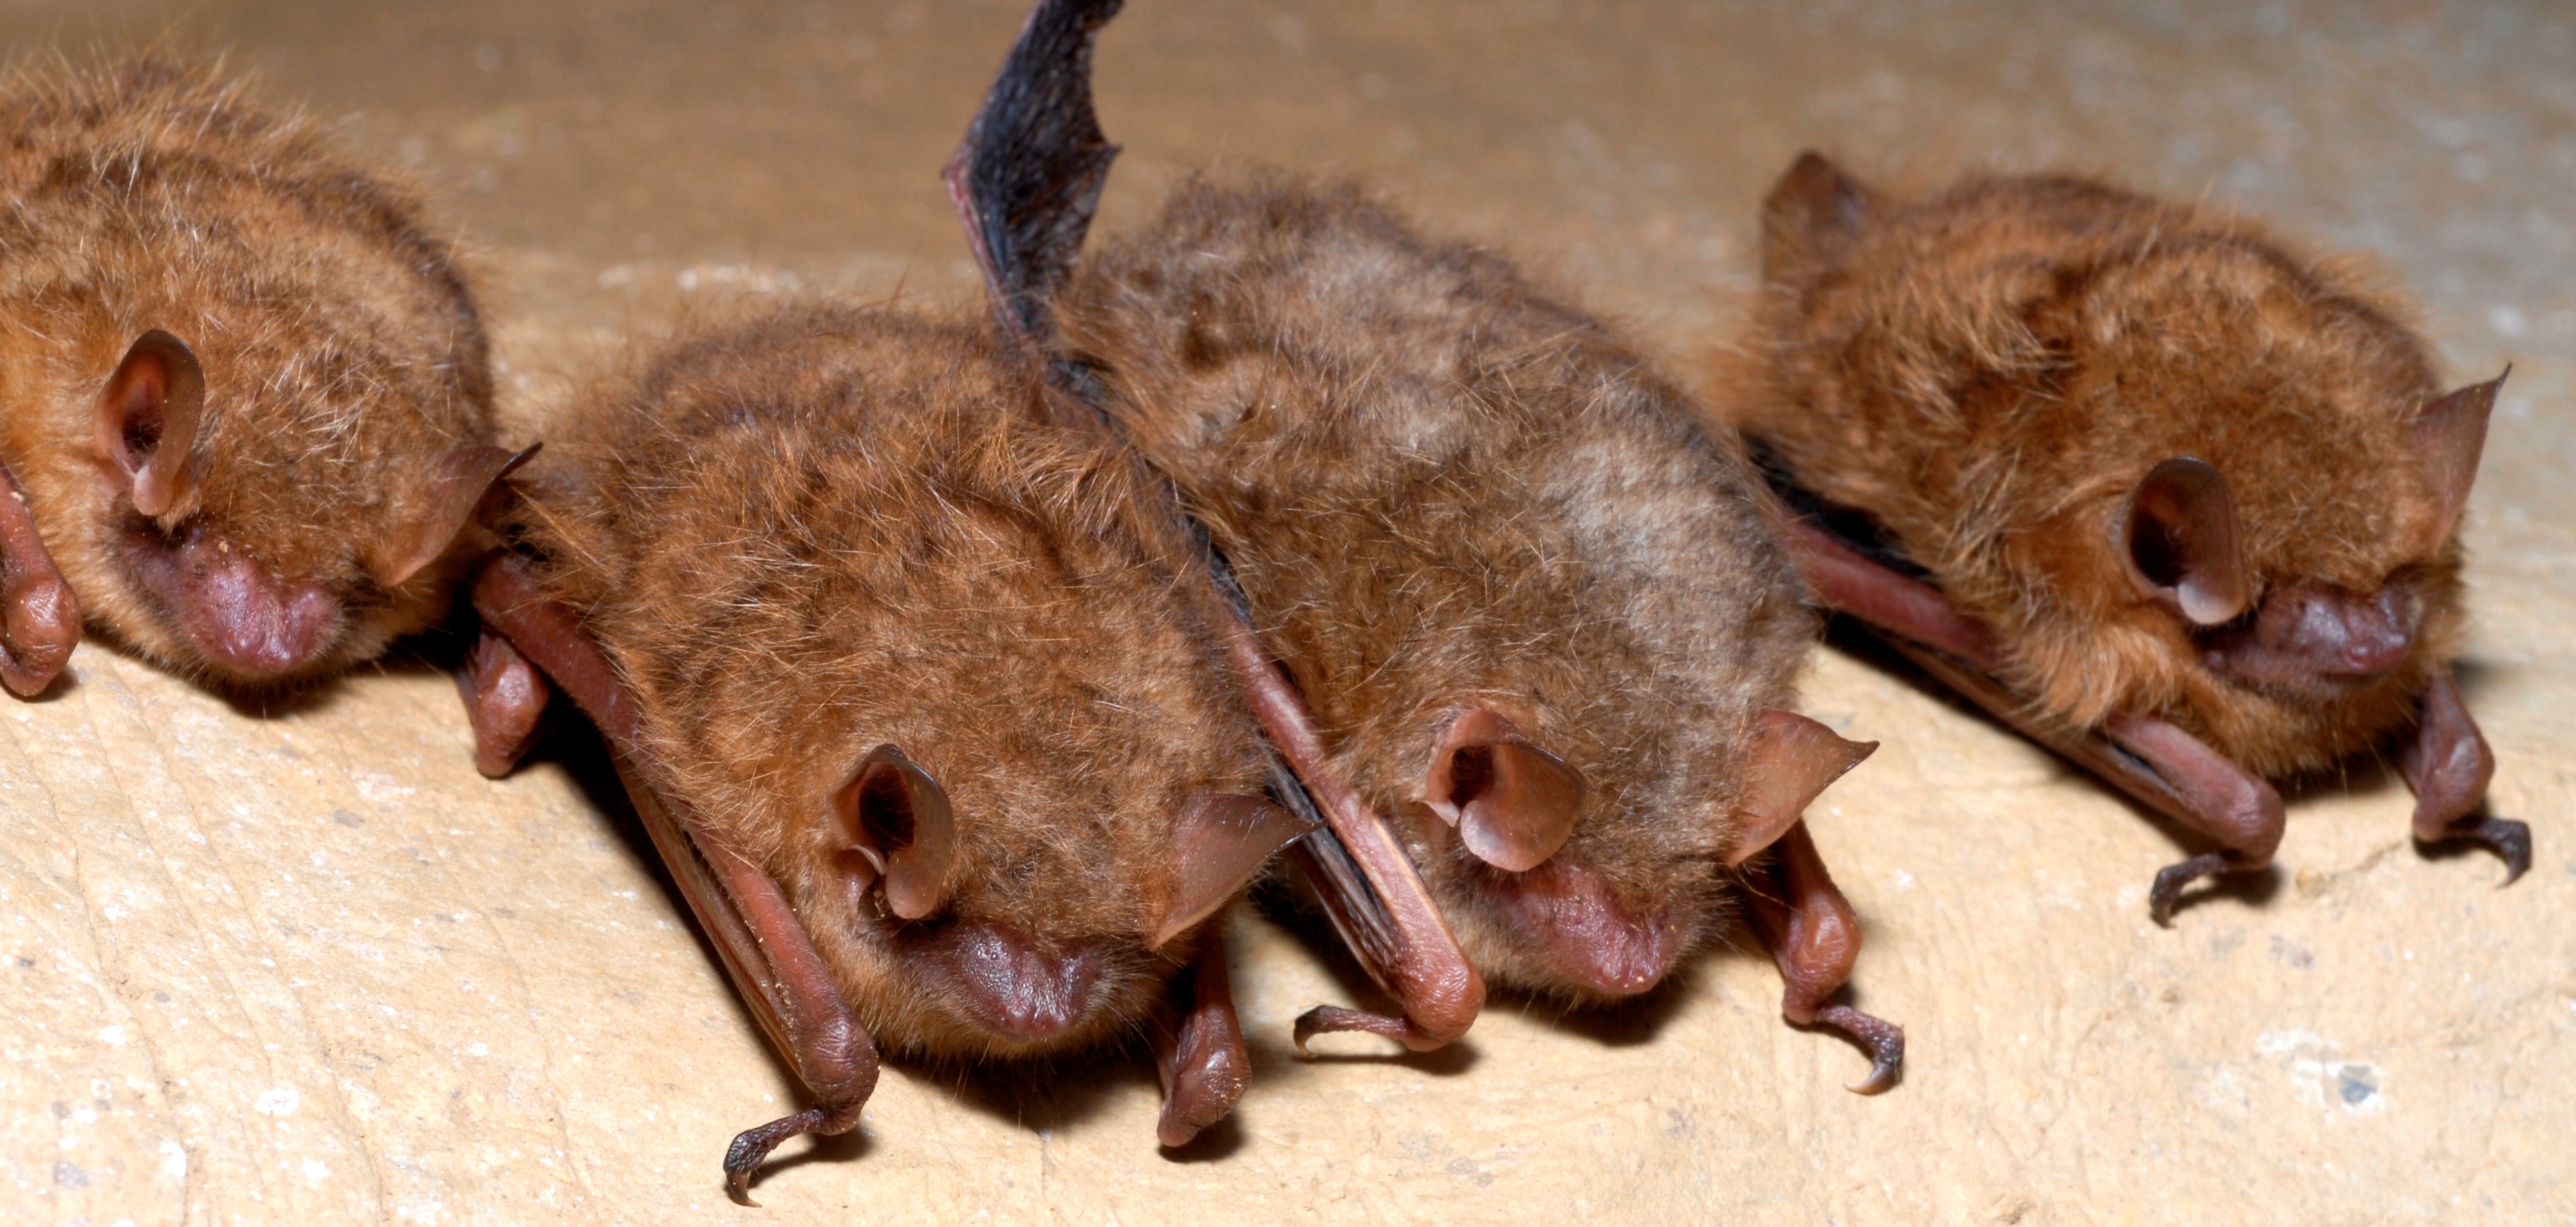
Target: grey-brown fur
(1441, 488)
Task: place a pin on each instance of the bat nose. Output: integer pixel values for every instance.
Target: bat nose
(248, 621)
(1575, 925)
(1015, 987)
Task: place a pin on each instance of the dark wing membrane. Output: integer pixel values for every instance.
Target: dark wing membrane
(1028, 176)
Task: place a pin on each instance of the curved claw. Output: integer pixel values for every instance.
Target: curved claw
(2170, 881)
(1883, 1040)
(2509, 838)
(751, 1147)
(1329, 1018)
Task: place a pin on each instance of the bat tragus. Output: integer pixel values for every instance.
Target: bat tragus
(2136, 478)
(924, 692)
(251, 407)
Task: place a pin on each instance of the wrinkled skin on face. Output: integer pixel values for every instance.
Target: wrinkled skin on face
(249, 400)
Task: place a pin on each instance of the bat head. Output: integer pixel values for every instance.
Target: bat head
(256, 391)
(2171, 464)
(256, 556)
(998, 982)
(1602, 905)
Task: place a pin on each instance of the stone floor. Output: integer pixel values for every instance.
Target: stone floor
(304, 966)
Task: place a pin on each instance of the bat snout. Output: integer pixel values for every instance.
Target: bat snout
(231, 612)
(1570, 918)
(2309, 635)
(250, 623)
(1008, 985)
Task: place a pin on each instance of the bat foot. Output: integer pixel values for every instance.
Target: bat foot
(2506, 837)
(1884, 1041)
(751, 1147)
(39, 627)
(1329, 1018)
(2170, 881)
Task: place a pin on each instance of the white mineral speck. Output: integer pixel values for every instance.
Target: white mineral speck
(278, 1101)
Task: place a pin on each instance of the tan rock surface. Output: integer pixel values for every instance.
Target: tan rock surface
(307, 967)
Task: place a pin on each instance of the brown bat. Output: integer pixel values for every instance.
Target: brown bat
(2148, 485)
(1541, 611)
(914, 692)
(1026, 181)
(250, 407)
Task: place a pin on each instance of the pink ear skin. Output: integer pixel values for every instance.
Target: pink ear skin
(1812, 209)
(891, 820)
(147, 420)
(504, 698)
(2451, 433)
(1513, 803)
(465, 476)
(1219, 843)
(1568, 917)
(40, 620)
(1794, 759)
(2178, 542)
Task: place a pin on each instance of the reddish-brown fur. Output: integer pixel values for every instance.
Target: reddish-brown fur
(342, 353)
(833, 528)
(1442, 490)
(1989, 372)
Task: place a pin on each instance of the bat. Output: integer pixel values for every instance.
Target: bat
(2136, 477)
(251, 402)
(1541, 611)
(913, 692)
(1026, 181)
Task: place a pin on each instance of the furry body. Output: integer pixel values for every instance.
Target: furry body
(1989, 372)
(834, 528)
(341, 350)
(1442, 490)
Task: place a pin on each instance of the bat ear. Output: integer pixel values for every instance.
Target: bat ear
(2179, 542)
(1513, 803)
(465, 476)
(2449, 434)
(1814, 208)
(892, 821)
(1794, 759)
(1218, 844)
(148, 416)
